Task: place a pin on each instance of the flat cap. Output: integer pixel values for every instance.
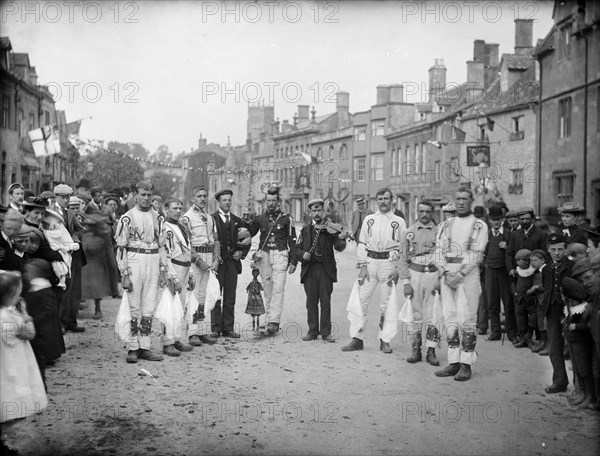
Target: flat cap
(360, 200)
(556, 238)
(36, 232)
(47, 194)
(572, 289)
(450, 207)
(575, 248)
(75, 200)
(581, 266)
(523, 254)
(571, 207)
(512, 214)
(24, 232)
(496, 213)
(223, 192)
(157, 198)
(63, 189)
(316, 201)
(525, 210)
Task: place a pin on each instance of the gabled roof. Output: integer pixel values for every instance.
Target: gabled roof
(515, 62)
(306, 123)
(19, 59)
(547, 44)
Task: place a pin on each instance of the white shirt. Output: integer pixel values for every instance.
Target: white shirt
(461, 237)
(222, 214)
(200, 226)
(381, 233)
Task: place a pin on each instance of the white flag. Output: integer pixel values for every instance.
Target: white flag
(45, 141)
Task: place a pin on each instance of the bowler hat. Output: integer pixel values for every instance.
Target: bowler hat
(496, 213)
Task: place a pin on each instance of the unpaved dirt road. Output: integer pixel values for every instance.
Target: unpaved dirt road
(281, 395)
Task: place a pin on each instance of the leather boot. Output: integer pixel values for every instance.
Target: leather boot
(385, 347)
(431, 358)
(170, 350)
(148, 355)
(132, 356)
(523, 343)
(98, 312)
(355, 344)
(448, 371)
(416, 355)
(464, 373)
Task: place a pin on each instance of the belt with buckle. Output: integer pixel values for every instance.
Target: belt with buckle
(423, 267)
(141, 250)
(181, 263)
(378, 255)
(454, 259)
(203, 248)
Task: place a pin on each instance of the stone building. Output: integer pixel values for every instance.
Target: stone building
(569, 110)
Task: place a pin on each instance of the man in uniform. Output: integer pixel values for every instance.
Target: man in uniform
(200, 228)
(274, 255)
(459, 251)
(179, 260)
(228, 225)
(358, 217)
(319, 272)
(419, 278)
(142, 261)
(378, 253)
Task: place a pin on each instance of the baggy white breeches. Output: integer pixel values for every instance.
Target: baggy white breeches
(182, 275)
(201, 277)
(460, 315)
(379, 271)
(423, 284)
(273, 267)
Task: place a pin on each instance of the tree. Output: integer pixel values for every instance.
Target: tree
(165, 184)
(162, 155)
(135, 149)
(109, 170)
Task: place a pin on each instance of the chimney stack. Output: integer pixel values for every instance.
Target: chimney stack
(201, 141)
(285, 126)
(479, 51)
(383, 95)
(303, 112)
(523, 36)
(343, 109)
(396, 93)
(437, 78)
(475, 79)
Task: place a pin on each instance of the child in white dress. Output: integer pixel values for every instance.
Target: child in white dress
(61, 241)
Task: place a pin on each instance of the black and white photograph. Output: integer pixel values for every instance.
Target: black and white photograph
(299, 227)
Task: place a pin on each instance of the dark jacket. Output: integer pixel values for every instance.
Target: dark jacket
(552, 283)
(535, 239)
(228, 238)
(9, 260)
(43, 308)
(576, 233)
(284, 231)
(327, 242)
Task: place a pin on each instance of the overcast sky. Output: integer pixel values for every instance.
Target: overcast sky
(155, 72)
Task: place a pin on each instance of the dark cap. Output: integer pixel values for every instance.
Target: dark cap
(496, 213)
(512, 214)
(523, 254)
(479, 211)
(223, 192)
(33, 203)
(316, 201)
(572, 289)
(556, 238)
(525, 210)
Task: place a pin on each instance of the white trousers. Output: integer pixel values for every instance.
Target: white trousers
(273, 267)
(182, 275)
(201, 277)
(379, 271)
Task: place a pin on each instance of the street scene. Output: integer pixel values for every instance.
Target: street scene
(300, 227)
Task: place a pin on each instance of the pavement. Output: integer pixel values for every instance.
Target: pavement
(281, 395)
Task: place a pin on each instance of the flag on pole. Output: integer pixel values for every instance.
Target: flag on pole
(45, 141)
(309, 158)
(73, 132)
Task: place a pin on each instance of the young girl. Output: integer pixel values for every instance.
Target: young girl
(255, 305)
(60, 240)
(21, 388)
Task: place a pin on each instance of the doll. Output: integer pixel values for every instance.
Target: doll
(255, 305)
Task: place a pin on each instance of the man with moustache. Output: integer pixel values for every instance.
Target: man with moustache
(204, 256)
(459, 251)
(419, 277)
(142, 261)
(227, 227)
(530, 237)
(16, 197)
(319, 272)
(274, 255)
(378, 253)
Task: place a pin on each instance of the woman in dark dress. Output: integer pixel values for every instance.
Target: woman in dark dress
(48, 343)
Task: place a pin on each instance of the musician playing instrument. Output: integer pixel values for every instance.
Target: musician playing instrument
(314, 250)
